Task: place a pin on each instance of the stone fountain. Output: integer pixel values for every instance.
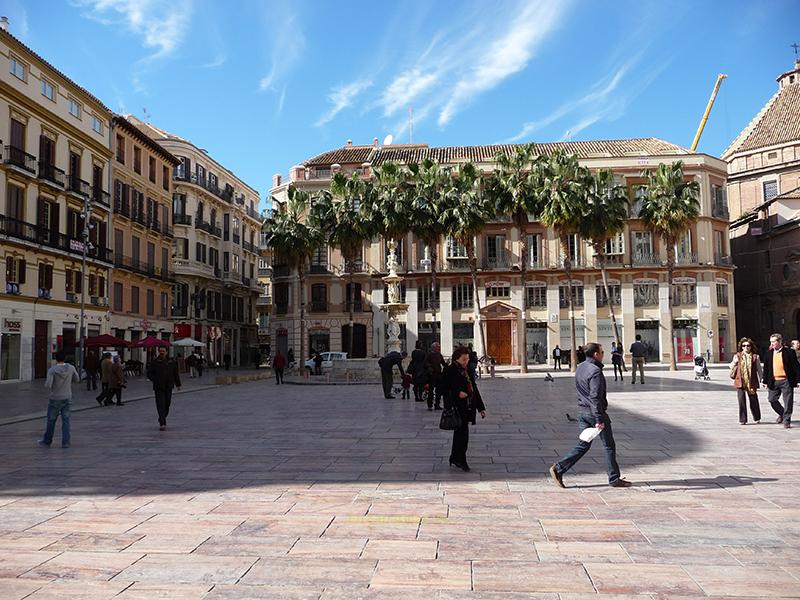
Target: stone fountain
(394, 308)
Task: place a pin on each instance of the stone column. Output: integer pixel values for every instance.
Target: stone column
(412, 318)
(706, 318)
(518, 301)
(378, 321)
(667, 345)
(627, 316)
(446, 319)
(590, 327)
(553, 324)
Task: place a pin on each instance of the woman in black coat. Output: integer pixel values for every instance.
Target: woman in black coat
(417, 370)
(463, 394)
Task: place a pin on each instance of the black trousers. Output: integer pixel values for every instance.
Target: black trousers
(435, 393)
(386, 380)
(91, 380)
(557, 363)
(278, 375)
(163, 400)
(754, 407)
(460, 442)
(617, 368)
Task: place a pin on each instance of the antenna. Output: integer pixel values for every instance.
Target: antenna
(387, 141)
(410, 124)
(796, 48)
(146, 116)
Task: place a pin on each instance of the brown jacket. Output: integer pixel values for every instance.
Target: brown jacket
(736, 372)
(105, 370)
(117, 376)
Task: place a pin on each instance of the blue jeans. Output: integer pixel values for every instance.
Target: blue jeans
(55, 408)
(606, 436)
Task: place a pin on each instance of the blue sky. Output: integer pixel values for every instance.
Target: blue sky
(263, 85)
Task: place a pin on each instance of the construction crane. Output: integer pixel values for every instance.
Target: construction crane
(697, 135)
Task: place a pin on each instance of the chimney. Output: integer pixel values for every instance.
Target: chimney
(4, 23)
(349, 142)
(276, 180)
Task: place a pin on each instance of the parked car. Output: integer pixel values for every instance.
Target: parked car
(327, 360)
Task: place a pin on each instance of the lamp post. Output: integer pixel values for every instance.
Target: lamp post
(87, 213)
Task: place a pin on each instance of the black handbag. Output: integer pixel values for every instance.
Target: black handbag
(451, 419)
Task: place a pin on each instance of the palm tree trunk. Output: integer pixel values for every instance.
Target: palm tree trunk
(352, 301)
(573, 353)
(601, 258)
(473, 269)
(434, 295)
(301, 297)
(523, 248)
(673, 365)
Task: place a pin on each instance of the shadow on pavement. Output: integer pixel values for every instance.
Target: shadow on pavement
(254, 436)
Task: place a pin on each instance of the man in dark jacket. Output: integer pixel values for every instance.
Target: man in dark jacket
(92, 366)
(163, 373)
(780, 378)
(386, 364)
(435, 368)
(590, 384)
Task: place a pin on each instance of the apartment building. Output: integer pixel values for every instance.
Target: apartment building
(764, 191)
(264, 302)
(140, 293)
(54, 176)
(701, 299)
(216, 228)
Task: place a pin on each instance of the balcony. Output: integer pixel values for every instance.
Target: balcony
(16, 157)
(719, 210)
(52, 174)
(230, 277)
(248, 247)
(239, 198)
(122, 208)
(246, 281)
(280, 271)
(216, 231)
(180, 311)
(357, 306)
(318, 306)
(645, 259)
(456, 263)
(253, 214)
(265, 272)
(202, 225)
(178, 219)
(318, 269)
(612, 260)
(184, 266)
(501, 262)
(537, 263)
(76, 185)
(98, 300)
(318, 173)
(236, 239)
(264, 301)
(686, 259)
(576, 262)
(139, 218)
(101, 197)
(723, 261)
(43, 237)
(137, 266)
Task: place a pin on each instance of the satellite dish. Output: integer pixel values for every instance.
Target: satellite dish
(387, 141)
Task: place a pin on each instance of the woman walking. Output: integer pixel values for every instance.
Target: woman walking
(747, 372)
(417, 370)
(463, 394)
(616, 359)
(116, 381)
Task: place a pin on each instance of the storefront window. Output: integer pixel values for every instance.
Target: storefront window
(9, 356)
(536, 340)
(462, 334)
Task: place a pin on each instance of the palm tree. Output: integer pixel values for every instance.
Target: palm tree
(339, 214)
(669, 207)
(430, 195)
(605, 214)
(513, 190)
(387, 208)
(563, 210)
(468, 213)
(294, 237)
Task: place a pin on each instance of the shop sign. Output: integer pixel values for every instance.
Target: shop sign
(497, 284)
(76, 246)
(645, 281)
(282, 331)
(535, 284)
(679, 280)
(12, 325)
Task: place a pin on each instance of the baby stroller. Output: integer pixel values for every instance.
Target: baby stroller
(701, 369)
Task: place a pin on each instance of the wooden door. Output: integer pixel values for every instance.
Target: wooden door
(40, 349)
(498, 340)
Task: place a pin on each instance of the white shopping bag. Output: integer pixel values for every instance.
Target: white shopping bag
(588, 434)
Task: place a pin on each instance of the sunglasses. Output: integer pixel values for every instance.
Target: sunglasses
(745, 345)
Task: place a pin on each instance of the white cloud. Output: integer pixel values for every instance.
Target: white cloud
(288, 45)
(407, 86)
(506, 55)
(218, 61)
(162, 24)
(342, 97)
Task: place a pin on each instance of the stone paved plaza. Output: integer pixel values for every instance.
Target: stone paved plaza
(258, 491)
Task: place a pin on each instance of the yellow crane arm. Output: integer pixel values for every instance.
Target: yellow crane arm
(697, 135)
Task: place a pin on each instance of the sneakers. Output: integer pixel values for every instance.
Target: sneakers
(621, 483)
(43, 444)
(787, 425)
(557, 477)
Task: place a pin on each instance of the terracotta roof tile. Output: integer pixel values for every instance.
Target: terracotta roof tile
(347, 155)
(777, 122)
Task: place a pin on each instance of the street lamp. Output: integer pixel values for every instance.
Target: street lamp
(87, 226)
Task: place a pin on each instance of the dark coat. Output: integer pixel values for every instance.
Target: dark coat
(417, 366)
(92, 363)
(390, 360)
(457, 380)
(279, 362)
(163, 374)
(789, 365)
(117, 378)
(434, 365)
(590, 384)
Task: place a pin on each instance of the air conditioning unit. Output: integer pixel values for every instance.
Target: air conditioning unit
(104, 301)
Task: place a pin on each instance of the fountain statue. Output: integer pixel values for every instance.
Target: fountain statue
(395, 307)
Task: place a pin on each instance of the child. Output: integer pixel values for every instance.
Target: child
(407, 381)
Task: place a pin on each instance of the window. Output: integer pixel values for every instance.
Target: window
(137, 159)
(164, 307)
(45, 279)
(455, 249)
(17, 68)
(642, 248)
(319, 297)
(97, 125)
(319, 260)
(73, 281)
(118, 297)
(722, 294)
(48, 91)
(74, 108)
(135, 299)
(577, 295)
(719, 202)
(200, 252)
(615, 245)
(463, 296)
(120, 149)
(535, 259)
(151, 303)
(536, 297)
(574, 247)
(151, 168)
(425, 297)
(15, 274)
(614, 290)
(720, 255)
(236, 268)
(495, 251)
(645, 294)
(165, 177)
(770, 190)
(639, 194)
(352, 295)
(498, 290)
(683, 249)
(684, 293)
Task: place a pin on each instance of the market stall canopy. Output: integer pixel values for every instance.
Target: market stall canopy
(187, 342)
(151, 342)
(104, 341)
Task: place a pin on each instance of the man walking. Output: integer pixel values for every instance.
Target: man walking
(278, 364)
(780, 378)
(163, 373)
(92, 365)
(557, 358)
(386, 364)
(435, 369)
(105, 377)
(60, 378)
(590, 384)
(638, 350)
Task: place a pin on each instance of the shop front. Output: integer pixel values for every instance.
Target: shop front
(536, 342)
(684, 335)
(11, 350)
(650, 331)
